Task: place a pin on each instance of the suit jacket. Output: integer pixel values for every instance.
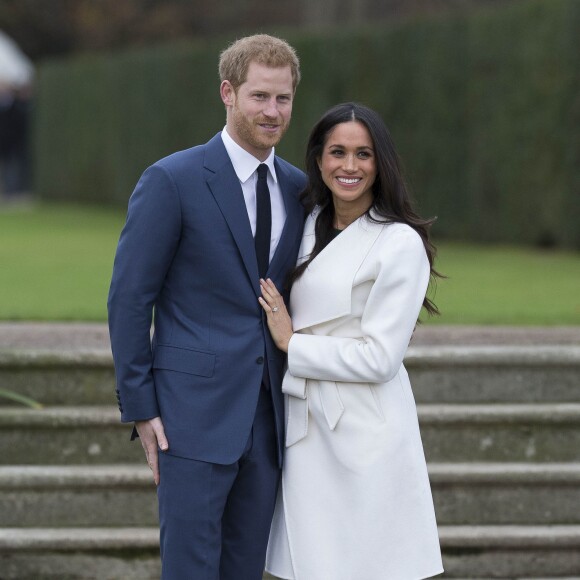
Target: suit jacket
(187, 253)
(354, 462)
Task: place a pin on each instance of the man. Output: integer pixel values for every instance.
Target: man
(206, 390)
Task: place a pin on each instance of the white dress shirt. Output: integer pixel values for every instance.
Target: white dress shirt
(245, 166)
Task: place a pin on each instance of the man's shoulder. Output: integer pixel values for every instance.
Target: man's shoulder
(289, 167)
(296, 175)
(186, 158)
(174, 160)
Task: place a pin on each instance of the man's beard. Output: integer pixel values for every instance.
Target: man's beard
(249, 131)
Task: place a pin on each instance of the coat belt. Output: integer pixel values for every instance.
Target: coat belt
(297, 391)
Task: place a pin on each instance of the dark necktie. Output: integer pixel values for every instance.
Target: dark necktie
(263, 221)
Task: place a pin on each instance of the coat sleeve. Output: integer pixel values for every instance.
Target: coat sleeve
(146, 248)
(387, 323)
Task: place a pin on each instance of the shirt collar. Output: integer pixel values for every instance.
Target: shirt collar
(245, 164)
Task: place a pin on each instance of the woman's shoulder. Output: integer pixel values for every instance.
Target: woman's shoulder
(397, 236)
(398, 229)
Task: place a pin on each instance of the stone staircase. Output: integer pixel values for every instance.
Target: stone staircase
(500, 425)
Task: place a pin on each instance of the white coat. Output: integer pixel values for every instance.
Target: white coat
(355, 501)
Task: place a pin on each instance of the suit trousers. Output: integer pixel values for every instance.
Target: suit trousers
(215, 519)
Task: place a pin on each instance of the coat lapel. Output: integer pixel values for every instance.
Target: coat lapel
(227, 191)
(324, 290)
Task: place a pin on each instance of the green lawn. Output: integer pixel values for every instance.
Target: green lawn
(507, 285)
(56, 265)
(56, 262)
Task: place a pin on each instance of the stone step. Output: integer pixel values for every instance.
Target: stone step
(70, 377)
(495, 374)
(132, 553)
(79, 553)
(440, 374)
(65, 435)
(506, 493)
(510, 551)
(88, 496)
(122, 495)
(502, 432)
(459, 433)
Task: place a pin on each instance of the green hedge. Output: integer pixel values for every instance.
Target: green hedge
(484, 108)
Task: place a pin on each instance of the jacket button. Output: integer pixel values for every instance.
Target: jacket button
(260, 360)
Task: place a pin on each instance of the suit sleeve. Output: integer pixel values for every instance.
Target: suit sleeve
(387, 323)
(146, 249)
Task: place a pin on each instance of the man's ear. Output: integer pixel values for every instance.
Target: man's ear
(227, 93)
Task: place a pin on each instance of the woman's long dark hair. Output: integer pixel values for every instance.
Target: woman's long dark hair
(391, 199)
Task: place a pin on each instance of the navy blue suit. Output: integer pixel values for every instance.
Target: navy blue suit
(187, 254)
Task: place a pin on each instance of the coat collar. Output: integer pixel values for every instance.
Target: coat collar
(324, 290)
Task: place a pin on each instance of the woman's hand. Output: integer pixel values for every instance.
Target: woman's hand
(279, 321)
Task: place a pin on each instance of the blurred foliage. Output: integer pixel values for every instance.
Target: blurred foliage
(63, 26)
(18, 398)
(484, 108)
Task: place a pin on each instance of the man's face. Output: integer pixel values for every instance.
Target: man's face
(259, 111)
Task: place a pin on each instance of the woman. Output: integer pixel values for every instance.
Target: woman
(355, 501)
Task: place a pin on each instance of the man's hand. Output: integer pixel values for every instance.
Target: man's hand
(152, 437)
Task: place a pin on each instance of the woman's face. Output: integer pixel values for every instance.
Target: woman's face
(348, 167)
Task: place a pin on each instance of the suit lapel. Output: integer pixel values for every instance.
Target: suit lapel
(293, 223)
(227, 191)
